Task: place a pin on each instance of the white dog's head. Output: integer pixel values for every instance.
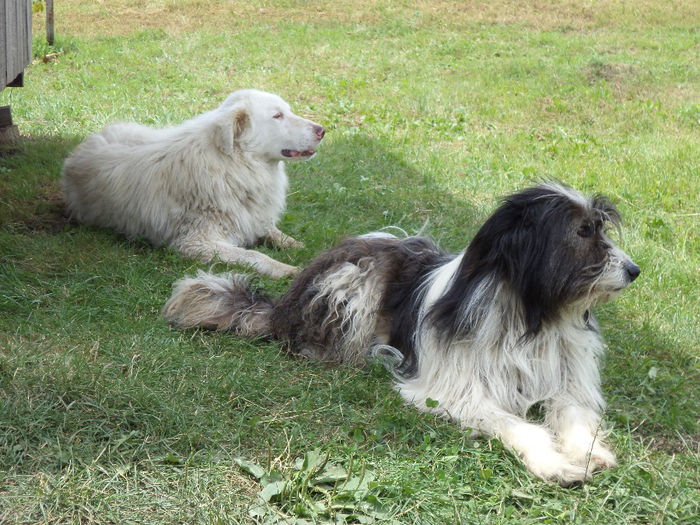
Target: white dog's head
(262, 124)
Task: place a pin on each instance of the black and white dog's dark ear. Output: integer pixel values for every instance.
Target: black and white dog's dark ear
(231, 127)
(518, 242)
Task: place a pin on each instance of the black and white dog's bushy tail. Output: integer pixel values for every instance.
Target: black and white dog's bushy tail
(218, 302)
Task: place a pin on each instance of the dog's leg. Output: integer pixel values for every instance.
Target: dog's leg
(282, 240)
(533, 443)
(579, 435)
(229, 253)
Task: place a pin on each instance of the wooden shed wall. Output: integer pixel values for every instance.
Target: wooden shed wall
(15, 38)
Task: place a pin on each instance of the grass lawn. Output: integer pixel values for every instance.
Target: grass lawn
(433, 110)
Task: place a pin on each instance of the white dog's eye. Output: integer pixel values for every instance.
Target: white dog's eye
(278, 115)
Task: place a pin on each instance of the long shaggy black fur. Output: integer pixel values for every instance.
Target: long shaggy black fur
(528, 244)
(400, 263)
(485, 334)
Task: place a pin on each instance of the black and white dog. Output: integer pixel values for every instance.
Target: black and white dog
(486, 334)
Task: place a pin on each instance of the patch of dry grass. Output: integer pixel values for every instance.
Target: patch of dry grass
(119, 17)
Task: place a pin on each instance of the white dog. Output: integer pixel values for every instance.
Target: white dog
(211, 186)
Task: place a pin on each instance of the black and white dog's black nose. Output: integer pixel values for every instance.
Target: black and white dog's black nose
(633, 271)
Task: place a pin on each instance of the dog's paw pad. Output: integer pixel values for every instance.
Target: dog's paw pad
(291, 242)
(556, 468)
(602, 458)
(568, 475)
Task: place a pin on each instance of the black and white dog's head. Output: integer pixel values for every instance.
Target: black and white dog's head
(549, 244)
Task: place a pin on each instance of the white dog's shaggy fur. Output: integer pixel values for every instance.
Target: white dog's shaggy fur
(211, 186)
(482, 336)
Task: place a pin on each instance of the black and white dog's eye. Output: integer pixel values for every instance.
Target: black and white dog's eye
(585, 230)
(278, 115)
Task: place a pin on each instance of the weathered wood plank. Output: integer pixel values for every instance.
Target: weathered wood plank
(49, 22)
(3, 47)
(11, 37)
(28, 40)
(15, 39)
(3, 44)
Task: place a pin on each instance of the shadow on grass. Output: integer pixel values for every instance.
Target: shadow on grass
(651, 385)
(90, 374)
(30, 191)
(356, 185)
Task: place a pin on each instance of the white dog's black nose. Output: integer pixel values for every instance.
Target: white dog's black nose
(319, 131)
(633, 271)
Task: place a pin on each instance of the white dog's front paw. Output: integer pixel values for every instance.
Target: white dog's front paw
(555, 467)
(280, 270)
(290, 242)
(281, 240)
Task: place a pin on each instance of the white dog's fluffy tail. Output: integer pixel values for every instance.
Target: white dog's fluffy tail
(218, 302)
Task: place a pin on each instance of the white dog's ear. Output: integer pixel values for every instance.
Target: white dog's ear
(231, 128)
(241, 122)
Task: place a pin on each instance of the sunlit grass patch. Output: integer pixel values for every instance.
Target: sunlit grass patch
(434, 110)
